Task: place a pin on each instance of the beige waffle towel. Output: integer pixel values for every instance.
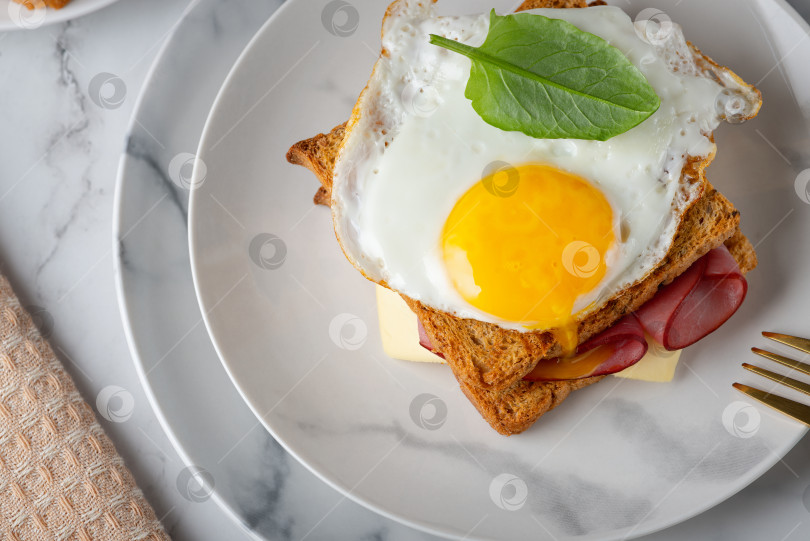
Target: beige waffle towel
(60, 476)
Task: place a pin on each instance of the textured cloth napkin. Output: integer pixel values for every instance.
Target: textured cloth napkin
(60, 476)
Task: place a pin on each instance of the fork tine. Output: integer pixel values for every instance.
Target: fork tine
(779, 378)
(802, 344)
(804, 368)
(791, 408)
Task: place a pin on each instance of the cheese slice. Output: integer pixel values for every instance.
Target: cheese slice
(398, 329)
(658, 365)
(400, 340)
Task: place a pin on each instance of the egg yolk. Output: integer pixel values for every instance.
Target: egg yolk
(524, 243)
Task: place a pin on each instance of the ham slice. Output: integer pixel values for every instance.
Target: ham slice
(610, 351)
(681, 313)
(424, 341)
(695, 303)
(613, 350)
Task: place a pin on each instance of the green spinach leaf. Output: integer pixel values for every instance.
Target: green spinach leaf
(549, 79)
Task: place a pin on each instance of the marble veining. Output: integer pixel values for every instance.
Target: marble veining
(262, 501)
(557, 497)
(654, 440)
(141, 147)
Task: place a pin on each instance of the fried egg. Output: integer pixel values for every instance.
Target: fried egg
(498, 226)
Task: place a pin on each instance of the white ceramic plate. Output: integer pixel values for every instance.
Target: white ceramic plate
(15, 17)
(295, 324)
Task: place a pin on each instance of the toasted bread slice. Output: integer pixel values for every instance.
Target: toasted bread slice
(490, 361)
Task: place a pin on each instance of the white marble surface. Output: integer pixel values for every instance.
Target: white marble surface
(59, 152)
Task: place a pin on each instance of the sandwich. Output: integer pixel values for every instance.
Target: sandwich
(533, 186)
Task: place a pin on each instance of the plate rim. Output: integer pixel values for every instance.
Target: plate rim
(344, 489)
(124, 307)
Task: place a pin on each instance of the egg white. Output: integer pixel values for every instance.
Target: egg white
(415, 145)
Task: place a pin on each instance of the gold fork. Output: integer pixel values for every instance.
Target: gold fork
(791, 408)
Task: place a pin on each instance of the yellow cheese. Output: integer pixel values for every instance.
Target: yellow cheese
(400, 337)
(657, 365)
(400, 340)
